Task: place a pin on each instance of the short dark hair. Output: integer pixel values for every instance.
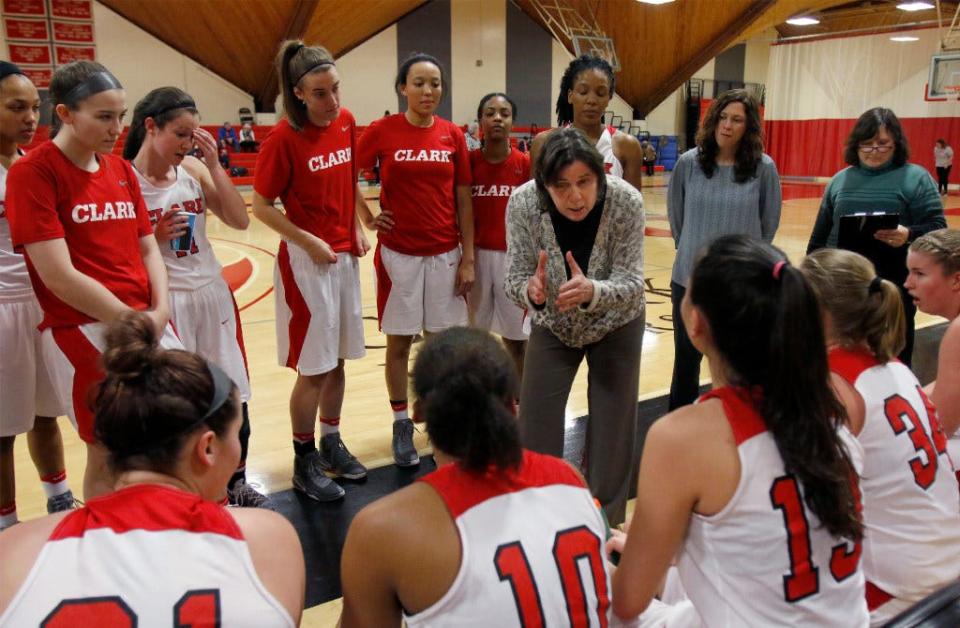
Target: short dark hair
(419, 57)
(584, 62)
(153, 399)
(466, 383)
(749, 150)
(562, 148)
(294, 61)
(483, 103)
(867, 126)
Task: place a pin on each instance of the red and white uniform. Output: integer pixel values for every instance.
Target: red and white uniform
(314, 173)
(26, 389)
(911, 501)
(145, 556)
(605, 147)
(492, 186)
(765, 559)
(101, 217)
(420, 169)
(532, 549)
(202, 306)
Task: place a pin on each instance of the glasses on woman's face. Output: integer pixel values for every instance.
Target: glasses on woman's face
(875, 148)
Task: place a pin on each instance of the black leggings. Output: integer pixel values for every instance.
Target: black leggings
(943, 175)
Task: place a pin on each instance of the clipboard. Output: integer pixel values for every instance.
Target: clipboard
(857, 230)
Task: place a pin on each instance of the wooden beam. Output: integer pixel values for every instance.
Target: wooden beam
(266, 96)
(711, 50)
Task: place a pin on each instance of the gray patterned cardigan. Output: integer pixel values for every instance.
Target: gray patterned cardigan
(616, 263)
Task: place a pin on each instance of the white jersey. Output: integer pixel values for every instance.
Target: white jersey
(532, 549)
(14, 280)
(765, 559)
(187, 270)
(144, 556)
(605, 147)
(911, 501)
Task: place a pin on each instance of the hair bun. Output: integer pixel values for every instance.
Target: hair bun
(132, 346)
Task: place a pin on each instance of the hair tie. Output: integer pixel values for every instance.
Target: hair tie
(876, 285)
(777, 268)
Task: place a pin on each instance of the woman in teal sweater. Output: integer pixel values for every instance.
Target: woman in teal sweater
(879, 179)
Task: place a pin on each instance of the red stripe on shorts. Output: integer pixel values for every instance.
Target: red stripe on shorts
(384, 286)
(243, 348)
(876, 597)
(87, 373)
(299, 312)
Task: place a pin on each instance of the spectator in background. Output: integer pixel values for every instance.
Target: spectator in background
(879, 179)
(225, 158)
(943, 156)
(726, 184)
(473, 143)
(248, 141)
(227, 137)
(649, 157)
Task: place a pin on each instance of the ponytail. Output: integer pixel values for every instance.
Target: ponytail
(863, 308)
(466, 384)
(765, 323)
(294, 61)
(163, 104)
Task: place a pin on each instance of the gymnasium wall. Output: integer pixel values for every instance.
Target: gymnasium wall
(817, 90)
(515, 55)
(142, 62)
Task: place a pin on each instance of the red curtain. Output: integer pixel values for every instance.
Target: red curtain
(814, 148)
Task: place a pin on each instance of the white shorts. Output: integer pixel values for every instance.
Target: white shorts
(418, 293)
(26, 386)
(319, 317)
(73, 357)
(208, 323)
(490, 307)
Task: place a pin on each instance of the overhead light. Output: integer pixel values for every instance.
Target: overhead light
(915, 6)
(904, 38)
(655, 1)
(804, 20)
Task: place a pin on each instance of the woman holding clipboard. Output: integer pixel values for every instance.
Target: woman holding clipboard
(879, 180)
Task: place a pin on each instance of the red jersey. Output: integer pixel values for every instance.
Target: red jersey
(101, 216)
(420, 169)
(313, 172)
(492, 186)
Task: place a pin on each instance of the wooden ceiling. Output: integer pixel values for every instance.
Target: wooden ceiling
(659, 46)
(867, 15)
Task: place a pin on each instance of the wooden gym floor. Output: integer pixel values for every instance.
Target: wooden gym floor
(248, 259)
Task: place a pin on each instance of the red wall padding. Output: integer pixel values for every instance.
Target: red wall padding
(814, 148)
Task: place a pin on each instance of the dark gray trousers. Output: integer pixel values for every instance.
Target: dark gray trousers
(613, 381)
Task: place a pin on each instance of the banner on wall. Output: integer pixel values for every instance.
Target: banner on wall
(36, 8)
(72, 32)
(30, 54)
(21, 29)
(66, 54)
(42, 34)
(72, 9)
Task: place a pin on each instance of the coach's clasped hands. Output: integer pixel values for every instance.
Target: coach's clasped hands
(574, 292)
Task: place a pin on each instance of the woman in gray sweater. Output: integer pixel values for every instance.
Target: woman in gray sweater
(575, 262)
(725, 185)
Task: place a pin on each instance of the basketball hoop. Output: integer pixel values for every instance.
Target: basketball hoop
(951, 92)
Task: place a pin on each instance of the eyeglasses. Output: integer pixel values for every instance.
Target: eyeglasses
(875, 148)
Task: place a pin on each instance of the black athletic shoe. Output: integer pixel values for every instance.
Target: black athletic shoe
(404, 453)
(245, 495)
(62, 502)
(309, 479)
(337, 459)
